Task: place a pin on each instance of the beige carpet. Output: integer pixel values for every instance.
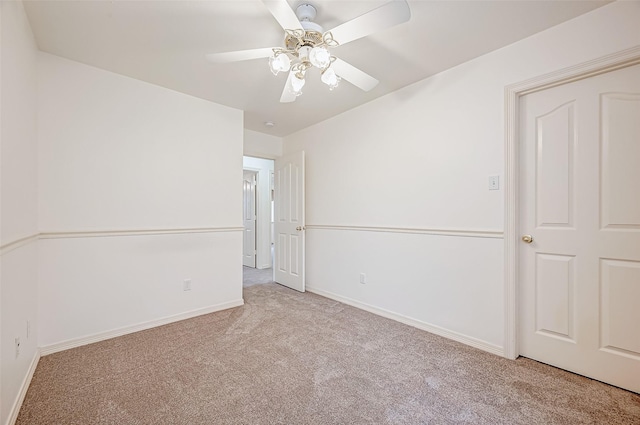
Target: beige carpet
(251, 276)
(292, 358)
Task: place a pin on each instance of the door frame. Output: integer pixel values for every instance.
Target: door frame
(256, 175)
(259, 215)
(513, 93)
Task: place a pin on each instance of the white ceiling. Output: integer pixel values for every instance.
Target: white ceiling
(164, 43)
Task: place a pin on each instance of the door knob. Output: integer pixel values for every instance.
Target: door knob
(299, 228)
(527, 238)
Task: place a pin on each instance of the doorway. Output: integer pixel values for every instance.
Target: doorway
(249, 218)
(262, 170)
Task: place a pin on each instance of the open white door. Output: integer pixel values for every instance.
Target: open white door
(289, 221)
(249, 219)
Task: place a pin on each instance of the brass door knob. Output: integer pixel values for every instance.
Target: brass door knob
(527, 238)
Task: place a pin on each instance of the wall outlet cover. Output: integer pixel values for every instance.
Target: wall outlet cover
(186, 285)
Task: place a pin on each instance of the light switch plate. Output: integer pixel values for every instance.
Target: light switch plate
(494, 182)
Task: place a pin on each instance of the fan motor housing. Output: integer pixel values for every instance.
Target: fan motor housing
(306, 12)
(310, 38)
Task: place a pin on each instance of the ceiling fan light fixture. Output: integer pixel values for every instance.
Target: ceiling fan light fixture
(307, 45)
(320, 57)
(297, 82)
(279, 62)
(330, 78)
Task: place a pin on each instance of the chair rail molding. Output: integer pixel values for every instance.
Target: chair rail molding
(18, 243)
(469, 233)
(134, 232)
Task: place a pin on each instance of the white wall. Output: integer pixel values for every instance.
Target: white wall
(419, 158)
(264, 167)
(139, 190)
(262, 145)
(18, 199)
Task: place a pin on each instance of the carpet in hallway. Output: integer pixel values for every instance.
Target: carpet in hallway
(251, 276)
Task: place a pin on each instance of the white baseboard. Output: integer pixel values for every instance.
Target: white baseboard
(473, 342)
(15, 409)
(78, 342)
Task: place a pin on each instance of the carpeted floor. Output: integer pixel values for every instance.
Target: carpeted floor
(251, 276)
(292, 358)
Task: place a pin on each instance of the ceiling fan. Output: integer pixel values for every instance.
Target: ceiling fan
(307, 45)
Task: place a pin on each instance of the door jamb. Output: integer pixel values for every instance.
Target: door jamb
(513, 93)
(256, 176)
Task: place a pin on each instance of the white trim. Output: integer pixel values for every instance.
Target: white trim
(135, 232)
(513, 93)
(78, 342)
(455, 336)
(261, 155)
(11, 246)
(17, 404)
(468, 233)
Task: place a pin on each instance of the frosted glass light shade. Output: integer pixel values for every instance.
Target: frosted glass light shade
(296, 85)
(320, 57)
(330, 78)
(279, 63)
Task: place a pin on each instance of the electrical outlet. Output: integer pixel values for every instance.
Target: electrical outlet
(363, 278)
(17, 347)
(186, 285)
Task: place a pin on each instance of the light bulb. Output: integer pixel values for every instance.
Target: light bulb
(296, 85)
(280, 62)
(320, 57)
(330, 78)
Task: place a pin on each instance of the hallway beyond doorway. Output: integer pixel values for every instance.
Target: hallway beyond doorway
(251, 276)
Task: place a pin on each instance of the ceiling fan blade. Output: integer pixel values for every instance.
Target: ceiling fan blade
(388, 15)
(353, 75)
(240, 55)
(285, 16)
(287, 95)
